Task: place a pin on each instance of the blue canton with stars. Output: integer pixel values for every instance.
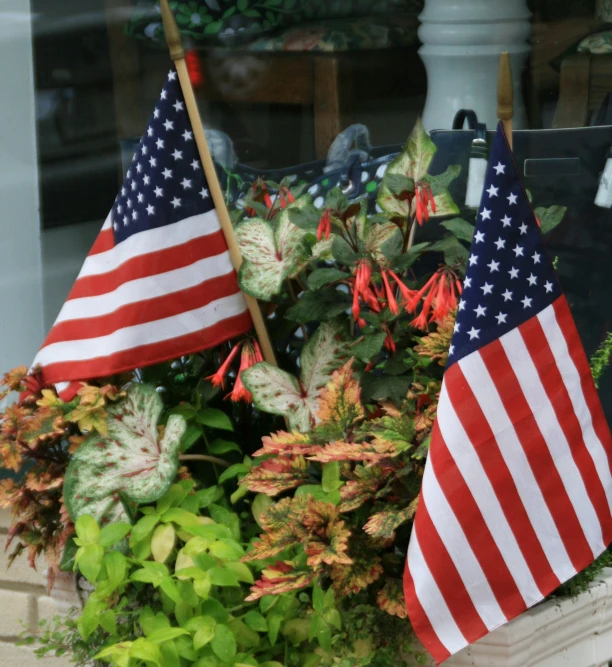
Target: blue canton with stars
(510, 277)
(165, 182)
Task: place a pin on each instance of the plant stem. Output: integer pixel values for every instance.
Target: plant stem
(204, 457)
(411, 236)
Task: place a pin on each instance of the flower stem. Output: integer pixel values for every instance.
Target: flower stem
(204, 457)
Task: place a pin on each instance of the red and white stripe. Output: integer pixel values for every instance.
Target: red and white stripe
(160, 294)
(517, 491)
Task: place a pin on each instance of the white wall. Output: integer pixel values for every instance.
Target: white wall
(21, 311)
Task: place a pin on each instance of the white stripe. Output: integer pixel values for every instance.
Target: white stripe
(512, 451)
(476, 479)
(546, 419)
(142, 334)
(431, 599)
(450, 532)
(573, 384)
(151, 287)
(151, 240)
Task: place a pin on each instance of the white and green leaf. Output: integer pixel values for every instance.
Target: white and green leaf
(129, 464)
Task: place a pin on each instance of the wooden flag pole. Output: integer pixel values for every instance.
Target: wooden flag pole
(177, 53)
(505, 95)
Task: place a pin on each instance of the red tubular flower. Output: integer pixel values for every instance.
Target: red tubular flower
(361, 288)
(251, 355)
(424, 199)
(441, 289)
(389, 342)
(324, 228)
(218, 378)
(393, 307)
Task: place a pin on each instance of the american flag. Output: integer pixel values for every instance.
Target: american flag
(158, 282)
(517, 490)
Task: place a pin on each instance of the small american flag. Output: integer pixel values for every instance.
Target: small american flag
(158, 282)
(517, 491)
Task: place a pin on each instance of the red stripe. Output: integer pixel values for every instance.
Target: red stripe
(540, 459)
(420, 623)
(104, 242)
(70, 392)
(146, 355)
(483, 440)
(147, 310)
(150, 264)
(552, 381)
(474, 526)
(447, 577)
(578, 356)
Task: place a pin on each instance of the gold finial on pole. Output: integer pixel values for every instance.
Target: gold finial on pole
(505, 95)
(171, 31)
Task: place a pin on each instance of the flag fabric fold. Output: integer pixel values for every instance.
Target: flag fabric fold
(517, 491)
(158, 282)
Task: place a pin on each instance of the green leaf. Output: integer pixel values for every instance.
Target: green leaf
(215, 609)
(144, 650)
(204, 636)
(318, 599)
(207, 496)
(181, 517)
(380, 387)
(223, 643)
(143, 528)
(108, 621)
(323, 305)
(306, 218)
(220, 576)
(233, 471)
(166, 634)
(162, 542)
(130, 461)
(214, 418)
(550, 217)
(116, 568)
(173, 498)
(278, 392)
(146, 576)
(439, 184)
(462, 229)
(113, 534)
(256, 621)
(242, 5)
(192, 434)
(170, 588)
(202, 585)
(368, 348)
(454, 252)
(343, 252)
(222, 447)
(241, 571)
(89, 561)
(274, 624)
(331, 476)
(227, 550)
(87, 530)
(399, 183)
(90, 618)
(320, 277)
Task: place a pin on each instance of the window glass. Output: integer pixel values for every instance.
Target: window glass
(323, 91)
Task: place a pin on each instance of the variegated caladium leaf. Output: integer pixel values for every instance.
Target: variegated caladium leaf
(280, 393)
(413, 162)
(272, 252)
(132, 463)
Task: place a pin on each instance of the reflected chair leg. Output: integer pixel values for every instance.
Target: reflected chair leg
(572, 109)
(326, 103)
